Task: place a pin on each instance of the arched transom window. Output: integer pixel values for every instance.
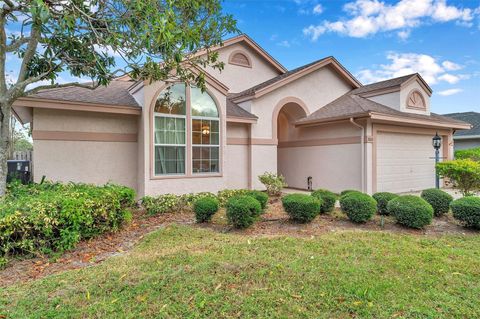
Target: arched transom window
(180, 112)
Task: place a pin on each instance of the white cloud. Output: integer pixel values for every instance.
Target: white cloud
(318, 9)
(450, 92)
(430, 68)
(403, 34)
(368, 17)
(284, 43)
(450, 78)
(449, 65)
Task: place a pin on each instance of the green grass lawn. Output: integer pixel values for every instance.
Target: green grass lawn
(186, 272)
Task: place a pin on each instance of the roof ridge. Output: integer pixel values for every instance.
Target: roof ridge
(393, 79)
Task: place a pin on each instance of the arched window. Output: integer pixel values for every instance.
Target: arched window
(240, 58)
(175, 107)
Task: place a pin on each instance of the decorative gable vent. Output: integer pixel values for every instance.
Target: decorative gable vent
(416, 101)
(240, 58)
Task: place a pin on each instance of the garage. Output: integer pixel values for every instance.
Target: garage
(405, 162)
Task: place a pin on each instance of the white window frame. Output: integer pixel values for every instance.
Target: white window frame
(184, 117)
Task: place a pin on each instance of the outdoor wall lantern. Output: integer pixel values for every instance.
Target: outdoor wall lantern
(437, 143)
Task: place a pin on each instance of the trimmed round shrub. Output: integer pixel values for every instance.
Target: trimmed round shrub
(260, 196)
(439, 200)
(467, 211)
(328, 199)
(242, 211)
(382, 199)
(359, 207)
(205, 208)
(301, 208)
(411, 211)
(348, 191)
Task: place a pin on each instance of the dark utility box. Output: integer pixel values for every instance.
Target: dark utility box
(19, 170)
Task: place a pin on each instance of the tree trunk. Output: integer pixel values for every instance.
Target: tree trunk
(5, 113)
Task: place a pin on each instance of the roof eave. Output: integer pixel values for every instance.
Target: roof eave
(236, 119)
(407, 120)
(36, 102)
(334, 119)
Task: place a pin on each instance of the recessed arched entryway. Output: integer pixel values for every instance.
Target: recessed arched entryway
(287, 112)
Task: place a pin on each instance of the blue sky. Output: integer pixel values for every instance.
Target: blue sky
(376, 40)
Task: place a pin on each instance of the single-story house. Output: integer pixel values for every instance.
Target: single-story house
(467, 139)
(316, 122)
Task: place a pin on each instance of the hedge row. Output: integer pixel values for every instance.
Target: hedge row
(171, 203)
(53, 217)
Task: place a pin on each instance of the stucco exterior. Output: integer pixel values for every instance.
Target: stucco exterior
(59, 158)
(81, 137)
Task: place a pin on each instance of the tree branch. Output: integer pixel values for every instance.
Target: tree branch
(17, 43)
(90, 86)
(29, 52)
(3, 56)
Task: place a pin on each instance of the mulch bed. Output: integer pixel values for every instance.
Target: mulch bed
(274, 222)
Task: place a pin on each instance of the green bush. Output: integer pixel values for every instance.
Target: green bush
(54, 217)
(301, 207)
(359, 207)
(471, 153)
(273, 183)
(464, 173)
(166, 203)
(205, 208)
(467, 210)
(242, 211)
(327, 198)
(382, 199)
(260, 196)
(439, 200)
(411, 211)
(226, 194)
(347, 191)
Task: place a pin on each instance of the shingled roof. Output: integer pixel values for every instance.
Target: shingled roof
(469, 117)
(351, 105)
(233, 110)
(387, 84)
(258, 87)
(115, 94)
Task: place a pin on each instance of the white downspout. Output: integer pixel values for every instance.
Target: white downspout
(362, 145)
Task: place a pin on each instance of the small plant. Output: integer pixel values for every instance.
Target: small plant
(242, 211)
(439, 200)
(347, 191)
(166, 203)
(327, 198)
(301, 207)
(467, 211)
(273, 183)
(359, 207)
(411, 211)
(382, 199)
(205, 208)
(260, 196)
(464, 173)
(225, 194)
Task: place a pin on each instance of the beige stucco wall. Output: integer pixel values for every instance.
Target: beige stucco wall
(238, 78)
(87, 162)
(391, 99)
(315, 90)
(96, 162)
(334, 167)
(155, 185)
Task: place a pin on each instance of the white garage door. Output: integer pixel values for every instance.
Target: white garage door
(404, 162)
